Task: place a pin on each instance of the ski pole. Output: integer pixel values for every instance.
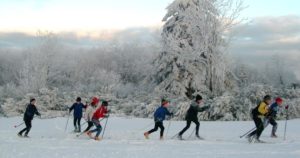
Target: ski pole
(248, 132)
(104, 127)
(83, 123)
(67, 122)
(18, 125)
(287, 117)
(168, 127)
(174, 135)
(192, 133)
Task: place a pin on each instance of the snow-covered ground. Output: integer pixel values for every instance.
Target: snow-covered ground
(124, 139)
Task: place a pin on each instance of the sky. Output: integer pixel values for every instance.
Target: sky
(83, 16)
(272, 26)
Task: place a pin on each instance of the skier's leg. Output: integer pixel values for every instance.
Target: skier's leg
(74, 123)
(78, 123)
(274, 128)
(162, 128)
(90, 124)
(99, 129)
(154, 129)
(96, 123)
(23, 130)
(197, 127)
(188, 124)
(256, 122)
(260, 128)
(28, 126)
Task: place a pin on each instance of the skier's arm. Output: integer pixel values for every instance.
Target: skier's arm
(169, 113)
(37, 112)
(201, 109)
(71, 108)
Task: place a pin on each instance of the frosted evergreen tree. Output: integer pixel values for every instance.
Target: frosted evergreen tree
(192, 59)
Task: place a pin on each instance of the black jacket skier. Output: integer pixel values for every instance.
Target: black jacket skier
(192, 116)
(31, 110)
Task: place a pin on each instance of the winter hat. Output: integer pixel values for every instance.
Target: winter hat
(164, 101)
(32, 99)
(267, 97)
(95, 100)
(105, 103)
(78, 99)
(198, 97)
(278, 100)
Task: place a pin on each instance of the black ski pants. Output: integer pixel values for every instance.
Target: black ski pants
(188, 124)
(27, 128)
(157, 125)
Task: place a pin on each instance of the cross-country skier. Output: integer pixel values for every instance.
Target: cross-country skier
(90, 110)
(77, 107)
(273, 110)
(159, 117)
(259, 114)
(192, 116)
(101, 112)
(31, 110)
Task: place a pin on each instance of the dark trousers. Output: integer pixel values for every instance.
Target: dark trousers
(259, 127)
(77, 122)
(188, 124)
(157, 125)
(90, 125)
(27, 128)
(98, 127)
(274, 124)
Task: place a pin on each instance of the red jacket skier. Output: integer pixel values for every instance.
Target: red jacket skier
(101, 112)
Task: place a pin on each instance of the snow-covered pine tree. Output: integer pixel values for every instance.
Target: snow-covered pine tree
(192, 59)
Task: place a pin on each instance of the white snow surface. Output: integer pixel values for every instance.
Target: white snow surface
(124, 139)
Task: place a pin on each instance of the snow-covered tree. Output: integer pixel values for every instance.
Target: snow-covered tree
(192, 59)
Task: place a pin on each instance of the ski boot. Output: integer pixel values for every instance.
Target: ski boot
(97, 138)
(161, 137)
(200, 138)
(179, 137)
(273, 135)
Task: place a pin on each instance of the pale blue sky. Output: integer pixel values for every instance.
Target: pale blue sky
(95, 15)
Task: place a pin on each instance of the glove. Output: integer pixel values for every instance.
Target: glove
(171, 114)
(106, 116)
(207, 107)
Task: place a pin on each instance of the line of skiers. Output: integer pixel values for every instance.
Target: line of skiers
(93, 115)
(262, 115)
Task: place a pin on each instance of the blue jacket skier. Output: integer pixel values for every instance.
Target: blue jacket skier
(77, 107)
(159, 117)
(273, 110)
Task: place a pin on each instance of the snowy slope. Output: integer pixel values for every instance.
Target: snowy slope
(124, 138)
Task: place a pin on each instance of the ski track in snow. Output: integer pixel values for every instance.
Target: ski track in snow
(124, 139)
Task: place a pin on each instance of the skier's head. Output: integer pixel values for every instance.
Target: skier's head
(32, 101)
(104, 103)
(164, 102)
(78, 99)
(268, 99)
(95, 101)
(198, 99)
(279, 101)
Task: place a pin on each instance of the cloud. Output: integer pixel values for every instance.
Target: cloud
(138, 35)
(264, 37)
